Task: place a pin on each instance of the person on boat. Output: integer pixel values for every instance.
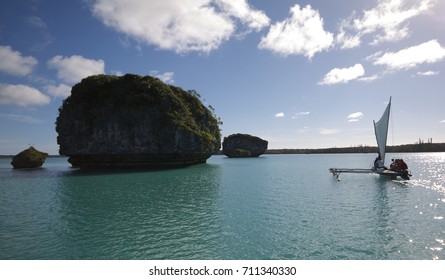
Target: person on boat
(404, 169)
(394, 165)
(376, 160)
(402, 165)
(378, 163)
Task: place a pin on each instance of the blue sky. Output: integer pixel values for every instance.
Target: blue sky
(300, 74)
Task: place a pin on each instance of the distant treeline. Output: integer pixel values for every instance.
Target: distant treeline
(409, 148)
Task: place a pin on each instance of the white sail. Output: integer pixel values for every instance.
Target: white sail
(381, 131)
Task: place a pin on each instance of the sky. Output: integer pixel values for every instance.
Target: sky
(299, 74)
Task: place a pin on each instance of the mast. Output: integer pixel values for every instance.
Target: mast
(381, 131)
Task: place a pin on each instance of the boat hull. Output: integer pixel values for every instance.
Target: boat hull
(394, 174)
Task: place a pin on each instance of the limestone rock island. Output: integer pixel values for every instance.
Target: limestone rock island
(244, 145)
(135, 121)
(29, 158)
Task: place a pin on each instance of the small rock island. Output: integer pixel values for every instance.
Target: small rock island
(29, 158)
(134, 121)
(243, 145)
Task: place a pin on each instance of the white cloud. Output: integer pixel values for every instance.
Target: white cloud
(324, 131)
(347, 41)
(279, 115)
(188, 25)
(45, 36)
(36, 22)
(255, 20)
(297, 115)
(166, 77)
(300, 34)
(13, 63)
(442, 121)
(21, 118)
(387, 22)
(343, 75)
(74, 68)
(117, 73)
(428, 73)
(369, 78)
(374, 56)
(62, 90)
(22, 95)
(355, 117)
(429, 52)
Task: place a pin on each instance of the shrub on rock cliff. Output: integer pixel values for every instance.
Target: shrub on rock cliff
(244, 145)
(29, 158)
(134, 121)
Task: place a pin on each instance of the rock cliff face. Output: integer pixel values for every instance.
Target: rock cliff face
(29, 158)
(244, 145)
(134, 121)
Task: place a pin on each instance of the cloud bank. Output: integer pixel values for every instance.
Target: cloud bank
(192, 25)
(387, 22)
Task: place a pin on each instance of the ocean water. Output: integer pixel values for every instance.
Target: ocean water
(271, 207)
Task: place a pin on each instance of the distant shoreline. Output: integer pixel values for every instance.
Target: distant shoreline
(408, 148)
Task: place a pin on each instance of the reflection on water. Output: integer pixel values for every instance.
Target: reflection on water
(383, 231)
(431, 171)
(272, 207)
(144, 212)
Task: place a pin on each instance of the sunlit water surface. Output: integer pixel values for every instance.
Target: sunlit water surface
(271, 207)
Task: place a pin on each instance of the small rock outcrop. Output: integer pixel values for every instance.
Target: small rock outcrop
(29, 158)
(243, 145)
(135, 121)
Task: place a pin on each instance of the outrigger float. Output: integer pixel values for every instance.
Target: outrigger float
(386, 173)
(397, 169)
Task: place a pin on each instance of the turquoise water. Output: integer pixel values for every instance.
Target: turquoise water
(272, 207)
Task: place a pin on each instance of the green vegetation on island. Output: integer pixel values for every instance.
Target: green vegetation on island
(29, 158)
(135, 121)
(243, 145)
